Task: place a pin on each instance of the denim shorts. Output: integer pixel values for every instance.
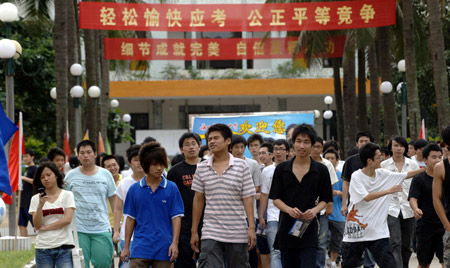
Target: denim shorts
(50, 258)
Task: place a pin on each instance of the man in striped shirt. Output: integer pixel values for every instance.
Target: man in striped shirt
(226, 185)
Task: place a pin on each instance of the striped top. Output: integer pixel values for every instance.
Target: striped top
(224, 217)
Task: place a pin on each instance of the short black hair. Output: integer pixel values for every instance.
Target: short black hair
(86, 143)
(289, 127)
(37, 177)
(152, 153)
(148, 139)
(368, 151)
(29, 151)
(177, 159)
(121, 161)
(420, 144)
(385, 150)
(364, 134)
(99, 157)
(331, 151)
(446, 135)
(269, 139)
(319, 139)
(188, 135)
(109, 157)
(281, 142)
(255, 137)
(53, 152)
(74, 161)
(331, 144)
(267, 145)
(431, 147)
(411, 142)
(202, 150)
(133, 151)
(402, 141)
(224, 130)
(236, 139)
(352, 151)
(44, 159)
(304, 129)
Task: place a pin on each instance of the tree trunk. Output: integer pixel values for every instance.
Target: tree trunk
(439, 65)
(362, 100)
(90, 117)
(349, 94)
(390, 118)
(104, 97)
(61, 69)
(411, 69)
(72, 57)
(339, 105)
(374, 93)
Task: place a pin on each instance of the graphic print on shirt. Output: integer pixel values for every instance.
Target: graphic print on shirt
(52, 211)
(187, 179)
(354, 228)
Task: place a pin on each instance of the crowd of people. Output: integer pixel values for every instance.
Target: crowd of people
(294, 203)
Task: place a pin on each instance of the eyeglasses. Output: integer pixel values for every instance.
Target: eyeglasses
(279, 150)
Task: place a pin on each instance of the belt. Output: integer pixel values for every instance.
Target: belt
(64, 247)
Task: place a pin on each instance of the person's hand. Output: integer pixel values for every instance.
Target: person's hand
(116, 237)
(396, 189)
(125, 255)
(42, 199)
(344, 210)
(418, 213)
(329, 211)
(295, 213)
(262, 222)
(337, 193)
(309, 214)
(173, 252)
(42, 228)
(194, 242)
(251, 236)
(257, 196)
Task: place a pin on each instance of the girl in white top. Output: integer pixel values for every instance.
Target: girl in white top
(52, 212)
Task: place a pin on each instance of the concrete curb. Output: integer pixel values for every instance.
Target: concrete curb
(31, 264)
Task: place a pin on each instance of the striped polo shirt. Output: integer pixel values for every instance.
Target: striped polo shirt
(224, 218)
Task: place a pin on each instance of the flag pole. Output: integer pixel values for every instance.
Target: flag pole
(20, 178)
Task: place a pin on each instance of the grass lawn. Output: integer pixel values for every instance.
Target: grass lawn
(15, 259)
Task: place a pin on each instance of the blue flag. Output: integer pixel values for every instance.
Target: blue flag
(7, 129)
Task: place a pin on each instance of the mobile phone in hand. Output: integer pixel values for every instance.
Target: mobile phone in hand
(42, 191)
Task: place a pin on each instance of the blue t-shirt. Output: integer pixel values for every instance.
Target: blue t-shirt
(337, 201)
(153, 212)
(91, 194)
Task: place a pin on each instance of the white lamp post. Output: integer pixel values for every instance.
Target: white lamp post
(53, 93)
(327, 115)
(386, 87)
(76, 93)
(114, 103)
(126, 118)
(402, 68)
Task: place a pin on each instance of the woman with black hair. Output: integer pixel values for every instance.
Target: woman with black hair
(52, 209)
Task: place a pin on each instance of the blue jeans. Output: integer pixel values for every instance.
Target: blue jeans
(298, 258)
(275, 255)
(322, 250)
(51, 258)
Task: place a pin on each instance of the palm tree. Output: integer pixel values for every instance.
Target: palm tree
(362, 100)
(374, 93)
(439, 64)
(349, 91)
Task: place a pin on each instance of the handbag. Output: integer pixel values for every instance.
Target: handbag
(77, 252)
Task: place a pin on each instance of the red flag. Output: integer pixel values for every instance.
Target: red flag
(66, 147)
(101, 145)
(423, 133)
(16, 151)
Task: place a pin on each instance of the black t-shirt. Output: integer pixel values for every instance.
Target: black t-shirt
(315, 186)
(421, 189)
(352, 164)
(27, 193)
(182, 174)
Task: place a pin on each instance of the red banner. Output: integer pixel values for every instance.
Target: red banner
(237, 17)
(210, 49)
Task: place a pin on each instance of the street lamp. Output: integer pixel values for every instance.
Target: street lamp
(76, 92)
(126, 118)
(114, 103)
(328, 114)
(402, 68)
(53, 93)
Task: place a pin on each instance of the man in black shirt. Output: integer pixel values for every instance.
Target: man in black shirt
(441, 188)
(301, 188)
(27, 192)
(183, 174)
(429, 229)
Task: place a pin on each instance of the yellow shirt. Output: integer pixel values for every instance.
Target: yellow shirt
(111, 214)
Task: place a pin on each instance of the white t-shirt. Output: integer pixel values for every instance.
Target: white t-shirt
(367, 221)
(53, 212)
(333, 176)
(267, 175)
(121, 193)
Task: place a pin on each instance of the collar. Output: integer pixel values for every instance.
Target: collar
(230, 160)
(163, 183)
(406, 161)
(314, 167)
